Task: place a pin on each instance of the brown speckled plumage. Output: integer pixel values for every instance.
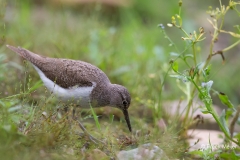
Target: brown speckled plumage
(72, 73)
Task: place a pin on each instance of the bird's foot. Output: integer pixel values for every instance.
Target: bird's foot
(93, 139)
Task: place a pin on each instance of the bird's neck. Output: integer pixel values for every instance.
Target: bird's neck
(106, 96)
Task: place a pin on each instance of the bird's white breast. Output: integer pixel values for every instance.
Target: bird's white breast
(76, 95)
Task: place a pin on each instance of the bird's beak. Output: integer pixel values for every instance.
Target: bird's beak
(125, 112)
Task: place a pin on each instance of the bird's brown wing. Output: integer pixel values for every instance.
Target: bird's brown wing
(69, 73)
(64, 72)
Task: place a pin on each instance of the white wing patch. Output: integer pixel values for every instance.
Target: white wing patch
(75, 94)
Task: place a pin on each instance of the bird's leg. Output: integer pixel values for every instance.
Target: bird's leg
(63, 110)
(93, 139)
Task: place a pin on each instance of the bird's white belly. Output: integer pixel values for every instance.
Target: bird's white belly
(77, 95)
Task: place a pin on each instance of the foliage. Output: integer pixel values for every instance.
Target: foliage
(131, 52)
(196, 73)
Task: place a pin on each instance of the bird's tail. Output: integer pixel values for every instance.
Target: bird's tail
(26, 54)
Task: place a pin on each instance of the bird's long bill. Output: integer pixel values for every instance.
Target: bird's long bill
(125, 112)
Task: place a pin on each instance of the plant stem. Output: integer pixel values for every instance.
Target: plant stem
(194, 53)
(231, 46)
(234, 120)
(214, 114)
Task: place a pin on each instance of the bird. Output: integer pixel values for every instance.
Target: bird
(78, 82)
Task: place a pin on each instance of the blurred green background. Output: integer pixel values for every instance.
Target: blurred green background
(121, 37)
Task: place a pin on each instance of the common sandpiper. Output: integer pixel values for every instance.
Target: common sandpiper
(78, 82)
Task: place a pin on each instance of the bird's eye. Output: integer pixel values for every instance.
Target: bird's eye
(125, 103)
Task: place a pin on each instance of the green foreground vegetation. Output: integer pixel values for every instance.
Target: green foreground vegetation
(160, 52)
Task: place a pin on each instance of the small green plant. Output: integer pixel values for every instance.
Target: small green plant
(195, 74)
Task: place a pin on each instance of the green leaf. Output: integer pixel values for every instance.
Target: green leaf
(231, 155)
(200, 65)
(95, 117)
(224, 123)
(206, 71)
(196, 71)
(204, 111)
(175, 66)
(10, 128)
(35, 86)
(225, 100)
(188, 56)
(174, 54)
(196, 153)
(14, 108)
(111, 118)
(183, 78)
(237, 136)
(229, 113)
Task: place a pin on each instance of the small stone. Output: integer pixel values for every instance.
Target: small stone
(145, 151)
(44, 114)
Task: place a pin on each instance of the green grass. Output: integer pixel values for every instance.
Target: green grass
(119, 50)
(130, 49)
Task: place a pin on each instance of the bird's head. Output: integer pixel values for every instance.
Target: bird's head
(121, 99)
